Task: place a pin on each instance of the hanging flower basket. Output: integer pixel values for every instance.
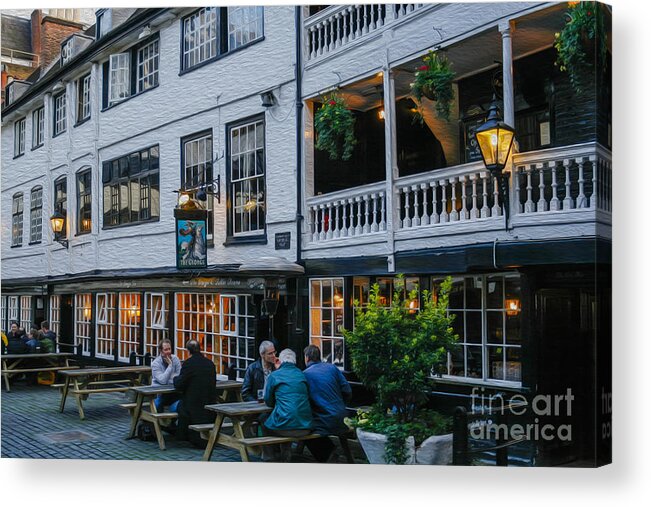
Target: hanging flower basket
(581, 43)
(433, 80)
(335, 128)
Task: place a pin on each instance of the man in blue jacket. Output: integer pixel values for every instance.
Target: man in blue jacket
(329, 390)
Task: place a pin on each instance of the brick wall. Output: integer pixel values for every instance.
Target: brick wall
(46, 41)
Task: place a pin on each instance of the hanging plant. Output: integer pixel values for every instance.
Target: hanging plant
(335, 128)
(434, 81)
(581, 41)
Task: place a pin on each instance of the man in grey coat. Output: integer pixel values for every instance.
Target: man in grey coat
(164, 368)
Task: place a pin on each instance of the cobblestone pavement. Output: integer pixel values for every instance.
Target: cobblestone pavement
(32, 427)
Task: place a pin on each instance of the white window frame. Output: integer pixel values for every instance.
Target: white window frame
(3, 313)
(38, 127)
(319, 310)
(155, 325)
(26, 312)
(12, 309)
(119, 77)
(54, 317)
(105, 325)
(36, 215)
(60, 114)
(129, 315)
(19, 137)
(17, 205)
(198, 170)
(200, 37)
(83, 315)
(66, 52)
(104, 23)
(245, 25)
(148, 64)
(247, 190)
(83, 91)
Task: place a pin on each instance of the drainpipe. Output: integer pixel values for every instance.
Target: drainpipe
(299, 131)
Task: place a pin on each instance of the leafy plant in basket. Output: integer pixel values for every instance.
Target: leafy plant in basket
(335, 128)
(393, 352)
(433, 80)
(583, 35)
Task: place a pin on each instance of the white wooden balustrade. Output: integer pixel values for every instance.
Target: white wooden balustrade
(337, 26)
(350, 213)
(561, 179)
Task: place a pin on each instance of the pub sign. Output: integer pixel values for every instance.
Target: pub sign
(191, 239)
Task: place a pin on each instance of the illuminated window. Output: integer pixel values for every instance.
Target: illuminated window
(83, 313)
(327, 318)
(26, 312)
(129, 325)
(156, 308)
(105, 326)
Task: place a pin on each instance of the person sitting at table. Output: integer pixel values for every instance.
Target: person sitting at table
(287, 393)
(164, 368)
(16, 341)
(34, 340)
(328, 390)
(49, 340)
(197, 385)
(257, 373)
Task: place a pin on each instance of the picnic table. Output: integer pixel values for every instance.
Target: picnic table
(12, 364)
(87, 381)
(158, 419)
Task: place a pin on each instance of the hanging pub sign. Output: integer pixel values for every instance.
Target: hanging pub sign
(191, 230)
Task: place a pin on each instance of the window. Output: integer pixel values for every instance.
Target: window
(55, 315)
(129, 325)
(223, 324)
(196, 162)
(60, 122)
(19, 137)
(104, 22)
(212, 31)
(84, 199)
(3, 311)
(26, 312)
(61, 195)
(10, 92)
(17, 220)
(327, 318)
(244, 25)
(131, 72)
(83, 314)
(105, 326)
(487, 310)
(12, 309)
(156, 308)
(66, 51)
(148, 66)
(36, 215)
(131, 188)
(247, 179)
(38, 127)
(83, 98)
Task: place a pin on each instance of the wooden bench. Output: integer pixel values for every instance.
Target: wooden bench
(52, 361)
(158, 419)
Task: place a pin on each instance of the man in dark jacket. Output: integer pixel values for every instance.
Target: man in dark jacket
(258, 371)
(16, 340)
(196, 382)
(329, 390)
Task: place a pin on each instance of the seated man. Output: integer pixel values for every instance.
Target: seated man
(197, 384)
(329, 390)
(286, 391)
(49, 337)
(16, 341)
(164, 369)
(258, 371)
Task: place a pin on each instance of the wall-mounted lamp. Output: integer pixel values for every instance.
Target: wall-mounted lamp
(268, 99)
(512, 307)
(58, 223)
(380, 114)
(211, 188)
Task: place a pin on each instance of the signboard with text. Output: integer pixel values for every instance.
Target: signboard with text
(191, 239)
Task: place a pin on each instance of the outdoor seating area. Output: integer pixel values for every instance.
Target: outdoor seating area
(17, 364)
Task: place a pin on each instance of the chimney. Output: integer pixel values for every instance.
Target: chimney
(53, 31)
(37, 17)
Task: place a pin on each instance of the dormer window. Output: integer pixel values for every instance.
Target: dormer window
(9, 93)
(66, 51)
(104, 23)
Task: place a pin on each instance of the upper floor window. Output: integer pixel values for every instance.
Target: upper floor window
(212, 31)
(19, 137)
(246, 179)
(196, 167)
(131, 188)
(83, 98)
(36, 215)
(38, 127)
(131, 72)
(104, 22)
(60, 122)
(61, 195)
(84, 200)
(66, 51)
(17, 220)
(9, 92)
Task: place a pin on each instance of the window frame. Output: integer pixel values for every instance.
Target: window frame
(66, 51)
(210, 205)
(258, 235)
(60, 204)
(82, 173)
(83, 99)
(17, 214)
(19, 137)
(55, 111)
(35, 214)
(320, 309)
(38, 127)
(115, 167)
(101, 17)
(222, 49)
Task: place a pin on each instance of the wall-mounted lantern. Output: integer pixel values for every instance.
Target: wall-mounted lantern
(58, 223)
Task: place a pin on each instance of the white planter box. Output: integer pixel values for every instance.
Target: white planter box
(436, 450)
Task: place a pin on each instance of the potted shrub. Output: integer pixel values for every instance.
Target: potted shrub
(582, 39)
(394, 350)
(433, 80)
(335, 128)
